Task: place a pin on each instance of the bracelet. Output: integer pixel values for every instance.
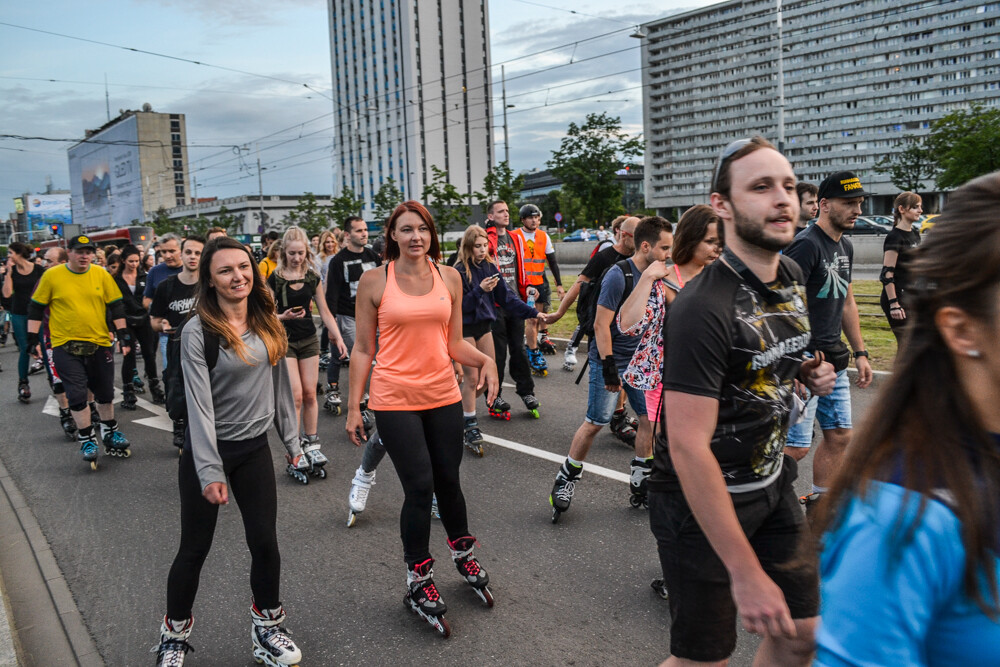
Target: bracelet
(895, 307)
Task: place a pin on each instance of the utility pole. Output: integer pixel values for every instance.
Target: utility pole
(107, 98)
(781, 84)
(503, 90)
(260, 186)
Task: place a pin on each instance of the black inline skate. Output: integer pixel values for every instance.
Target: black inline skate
(473, 437)
(137, 384)
(324, 361)
(271, 644)
(156, 391)
(638, 482)
(88, 446)
(532, 404)
(178, 434)
(115, 444)
(67, 422)
(23, 391)
(500, 409)
(173, 646)
(544, 344)
(564, 488)
(367, 416)
(462, 552)
(422, 596)
(129, 400)
(536, 360)
(623, 428)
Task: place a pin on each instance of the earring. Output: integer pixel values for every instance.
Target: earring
(974, 354)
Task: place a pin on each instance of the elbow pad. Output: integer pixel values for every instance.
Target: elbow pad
(117, 310)
(36, 311)
(888, 275)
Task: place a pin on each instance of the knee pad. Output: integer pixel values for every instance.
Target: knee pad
(58, 388)
(79, 407)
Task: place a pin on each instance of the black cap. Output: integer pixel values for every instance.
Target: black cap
(79, 242)
(841, 185)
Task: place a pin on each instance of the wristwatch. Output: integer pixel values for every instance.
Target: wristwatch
(861, 353)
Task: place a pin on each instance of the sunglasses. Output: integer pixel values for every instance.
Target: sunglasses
(727, 153)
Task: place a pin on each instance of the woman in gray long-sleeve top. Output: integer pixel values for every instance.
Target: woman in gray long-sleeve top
(230, 409)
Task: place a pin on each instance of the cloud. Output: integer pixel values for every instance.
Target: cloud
(240, 12)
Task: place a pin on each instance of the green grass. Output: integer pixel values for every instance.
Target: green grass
(875, 330)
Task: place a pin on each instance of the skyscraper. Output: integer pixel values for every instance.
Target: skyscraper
(411, 89)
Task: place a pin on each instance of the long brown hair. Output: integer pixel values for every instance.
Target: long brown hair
(262, 319)
(922, 431)
(903, 200)
(392, 248)
(691, 231)
(465, 253)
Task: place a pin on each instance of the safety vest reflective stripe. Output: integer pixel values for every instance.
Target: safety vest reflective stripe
(534, 263)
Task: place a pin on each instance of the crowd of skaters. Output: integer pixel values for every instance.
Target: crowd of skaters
(724, 333)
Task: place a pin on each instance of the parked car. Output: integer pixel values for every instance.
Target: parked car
(926, 222)
(865, 225)
(882, 219)
(577, 235)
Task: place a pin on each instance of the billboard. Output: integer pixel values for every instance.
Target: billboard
(46, 210)
(105, 178)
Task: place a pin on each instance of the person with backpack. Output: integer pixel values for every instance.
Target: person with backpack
(172, 301)
(131, 280)
(229, 411)
(607, 360)
(586, 288)
(296, 286)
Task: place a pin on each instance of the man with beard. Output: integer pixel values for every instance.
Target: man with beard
(721, 502)
(826, 257)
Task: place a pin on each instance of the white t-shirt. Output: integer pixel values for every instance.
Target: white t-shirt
(529, 238)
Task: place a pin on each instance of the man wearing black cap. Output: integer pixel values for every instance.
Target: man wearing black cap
(826, 257)
(78, 297)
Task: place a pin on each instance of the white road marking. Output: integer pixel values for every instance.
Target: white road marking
(555, 458)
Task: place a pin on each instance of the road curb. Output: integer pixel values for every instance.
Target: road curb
(59, 603)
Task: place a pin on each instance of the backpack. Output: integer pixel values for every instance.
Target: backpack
(590, 292)
(173, 374)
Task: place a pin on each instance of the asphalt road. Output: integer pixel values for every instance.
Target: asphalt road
(575, 593)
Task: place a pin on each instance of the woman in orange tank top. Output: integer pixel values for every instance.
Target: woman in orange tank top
(416, 306)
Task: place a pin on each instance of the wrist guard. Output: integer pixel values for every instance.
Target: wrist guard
(124, 337)
(610, 371)
(32, 340)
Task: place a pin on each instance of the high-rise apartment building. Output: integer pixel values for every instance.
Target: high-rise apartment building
(411, 89)
(860, 78)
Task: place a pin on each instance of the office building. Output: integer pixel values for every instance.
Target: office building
(129, 168)
(860, 77)
(411, 90)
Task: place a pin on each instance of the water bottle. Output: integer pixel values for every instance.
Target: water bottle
(532, 293)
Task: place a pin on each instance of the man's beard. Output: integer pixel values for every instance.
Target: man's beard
(754, 233)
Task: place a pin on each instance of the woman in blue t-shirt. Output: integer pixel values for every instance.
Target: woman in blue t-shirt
(911, 525)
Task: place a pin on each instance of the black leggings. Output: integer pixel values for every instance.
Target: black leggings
(426, 449)
(251, 483)
(148, 342)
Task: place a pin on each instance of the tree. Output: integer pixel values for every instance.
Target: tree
(966, 144)
(310, 216)
(161, 224)
(232, 223)
(500, 184)
(908, 168)
(386, 199)
(573, 213)
(450, 207)
(587, 162)
(344, 206)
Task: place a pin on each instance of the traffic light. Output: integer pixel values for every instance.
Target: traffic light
(56, 229)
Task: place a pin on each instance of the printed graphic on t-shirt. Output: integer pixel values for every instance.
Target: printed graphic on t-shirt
(838, 271)
(507, 261)
(352, 273)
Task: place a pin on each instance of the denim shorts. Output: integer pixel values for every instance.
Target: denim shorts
(601, 402)
(833, 411)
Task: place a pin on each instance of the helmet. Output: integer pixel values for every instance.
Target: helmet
(529, 210)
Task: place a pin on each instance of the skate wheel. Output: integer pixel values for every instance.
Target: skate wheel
(480, 451)
(534, 413)
(93, 465)
(127, 453)
(321, 473)
(352, 519)
(486, 595)
(555, 515)
(443, 627)
(635, 501)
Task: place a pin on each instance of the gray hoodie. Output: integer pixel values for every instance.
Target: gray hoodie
(238, 402)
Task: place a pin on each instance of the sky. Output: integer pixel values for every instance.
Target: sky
(265, 82)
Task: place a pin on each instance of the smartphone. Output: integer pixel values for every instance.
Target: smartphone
(296, 309)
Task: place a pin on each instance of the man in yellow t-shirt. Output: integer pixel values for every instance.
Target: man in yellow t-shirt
(78, 296)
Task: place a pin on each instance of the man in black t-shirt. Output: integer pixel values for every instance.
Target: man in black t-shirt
(173, 300)
(826, 258)
(342, 279)
(721, 502)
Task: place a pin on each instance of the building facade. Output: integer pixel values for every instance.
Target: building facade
(411, 90)
(129, 168)
(258, 214)
(861, 78)
(538, 184)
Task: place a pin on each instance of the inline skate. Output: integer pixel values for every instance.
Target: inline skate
(564, 488)
(435, 512)
(179, 427)
(622, 427)
(156, 391)
(422, 596)
(532, 404)
(660, 586)
(638, 482)
(470, 568)
(271, 644)
(300, 471)
(128, 397)
(115, 444)
(537, 362)
(358, 498)
(316, 459)
(367, 416)
(473, 437)
(569, 358)
(500, 409)
(544, 344)
(23, 391)
(173, 644)
(333, 401)
(137, 384)
(324, 361)
(88, 446)
(37, 366)
(68, 423)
